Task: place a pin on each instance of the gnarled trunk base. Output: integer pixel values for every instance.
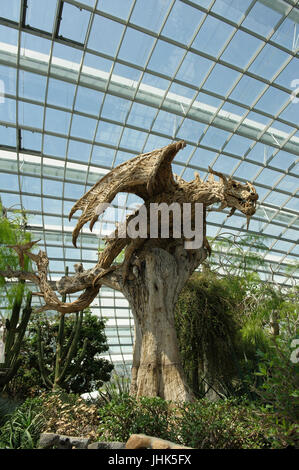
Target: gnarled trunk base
(157, 369)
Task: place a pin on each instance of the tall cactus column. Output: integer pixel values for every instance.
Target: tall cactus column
(12, 338)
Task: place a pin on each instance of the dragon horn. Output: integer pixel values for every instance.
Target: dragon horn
(217, 173)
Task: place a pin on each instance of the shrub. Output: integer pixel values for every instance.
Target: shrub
(23, 428)
(69, 415)
(226, 424)
(219, 425)
(127, 415)
(280, 380)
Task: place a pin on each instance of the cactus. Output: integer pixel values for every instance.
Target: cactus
(13, 335)
(65, 353)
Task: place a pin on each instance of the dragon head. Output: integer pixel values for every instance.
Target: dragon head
(237, 196)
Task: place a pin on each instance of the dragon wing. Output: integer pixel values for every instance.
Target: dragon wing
(144, 175)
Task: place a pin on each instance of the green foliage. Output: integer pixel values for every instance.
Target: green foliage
(7, 407)
(23, 428)
(127, 415)
(118, 386)
(226, 424)
(12, 232)
(223, 322)
(85, 371)
(280, 386)
(207, 328)
(219, 425)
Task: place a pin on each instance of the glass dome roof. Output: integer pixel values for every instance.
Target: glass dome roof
(86, 85)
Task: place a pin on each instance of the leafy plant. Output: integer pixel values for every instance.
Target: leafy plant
(69, 414)
(117, 387)
(280, 386)
(127, 415)
(23, 428)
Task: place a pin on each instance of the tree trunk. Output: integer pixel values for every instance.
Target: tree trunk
(157, 369)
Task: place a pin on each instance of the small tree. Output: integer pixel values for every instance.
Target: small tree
(78, 342)
(13, 318)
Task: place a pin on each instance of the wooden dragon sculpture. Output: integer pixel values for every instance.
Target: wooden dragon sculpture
(150, 177)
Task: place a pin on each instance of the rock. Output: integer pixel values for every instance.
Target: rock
(107, 445)
(79, 442)
(48, 440)
(64, 442)
(141, 441)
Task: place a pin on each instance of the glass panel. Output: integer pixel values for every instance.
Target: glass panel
(289, 74)
(61, 93)
(9, 182)
(105, 35)
(30, 42)
(194, 69)
(52, 187)
(31, 185)
(247, 90)
(115, 108)
(31, 115)
(133, 140)
(108, 133)
(57, 121)
(10, 10)
(212, 36)
(268, 177)
(191, 130)
(102, 155)
(79, 151)
(88, 100)
(283, 160)
(7, 135)
(234, 53)
(141, 115)
(261, 19)
(150, 13)
(182, 22)
(166, 58)
(95, 62)
(268, 62)
(9, 35)
(238, 145)
(31, 140)
(272, 101)
(135, 47)
(224, 164)
(285, 34)
(7, 81)
(74, 23)
(246, 171)
(166, 123)
(117, 8)
(55, 146)
(83, 127)
(228, 77)
(232, 10)
(215, 138)
(291, 113)
(41, 14)
(71, 55)
(32, 86)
